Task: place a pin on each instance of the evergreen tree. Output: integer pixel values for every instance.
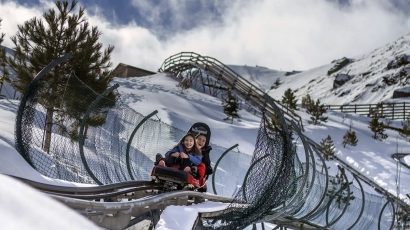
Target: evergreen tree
(350, 138)
(317, 111)
(339, 189)
(230, 105)
(40, 40)
(307, 102)
(3, 71)
(274, 124)
(327, 148)
(289, 99)
(377, 126)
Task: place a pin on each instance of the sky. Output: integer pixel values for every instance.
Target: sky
(279, 34)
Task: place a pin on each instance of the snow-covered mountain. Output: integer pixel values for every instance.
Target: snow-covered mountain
(370, 78)
(262, 77)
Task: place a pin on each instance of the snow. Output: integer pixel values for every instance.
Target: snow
(407, 160)
(404, 90)
(183, 108)
(183, 217)
(21, 207)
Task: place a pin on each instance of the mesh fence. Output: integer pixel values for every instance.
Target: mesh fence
(267, 184)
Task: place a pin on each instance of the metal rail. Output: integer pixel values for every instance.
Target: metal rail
(80, 190)
(117, 215)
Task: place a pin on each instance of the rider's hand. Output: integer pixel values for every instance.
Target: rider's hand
(183, 155)
(176, 154)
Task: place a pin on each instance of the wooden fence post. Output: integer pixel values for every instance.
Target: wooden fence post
(393, 112)
(370, 107)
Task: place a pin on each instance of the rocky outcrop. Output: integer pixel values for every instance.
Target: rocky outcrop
(292, 72)
(339, 64)
(402, 92)
(341, 79)
(399, 61)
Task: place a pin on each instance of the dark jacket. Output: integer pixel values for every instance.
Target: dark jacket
(206, 160)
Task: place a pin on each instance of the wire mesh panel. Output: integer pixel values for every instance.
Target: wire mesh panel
(151, 138)
(43, 131)
(105, 145)
(228, 176)
(266, 185)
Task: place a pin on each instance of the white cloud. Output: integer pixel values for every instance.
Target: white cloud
(280, 34)
(13, 15)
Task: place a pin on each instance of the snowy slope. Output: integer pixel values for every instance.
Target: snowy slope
(367, 84)
(22, 207)
(264, 78)
(183, 108)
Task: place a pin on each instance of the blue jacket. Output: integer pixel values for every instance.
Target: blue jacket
(195, 159)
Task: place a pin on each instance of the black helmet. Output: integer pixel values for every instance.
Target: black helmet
(201, 128)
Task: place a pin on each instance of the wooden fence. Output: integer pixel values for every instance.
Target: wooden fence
(393, 111)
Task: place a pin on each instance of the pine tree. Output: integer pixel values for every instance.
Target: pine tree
(307, 102)
(274, 123)
(317, 111)
(3, 71)
(377, 126)
(327, 148)
(230, 105)
(41, 40)
(350, 138)
(339, 189)
(289, 99)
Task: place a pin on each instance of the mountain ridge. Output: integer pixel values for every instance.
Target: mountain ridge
(369, 78)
